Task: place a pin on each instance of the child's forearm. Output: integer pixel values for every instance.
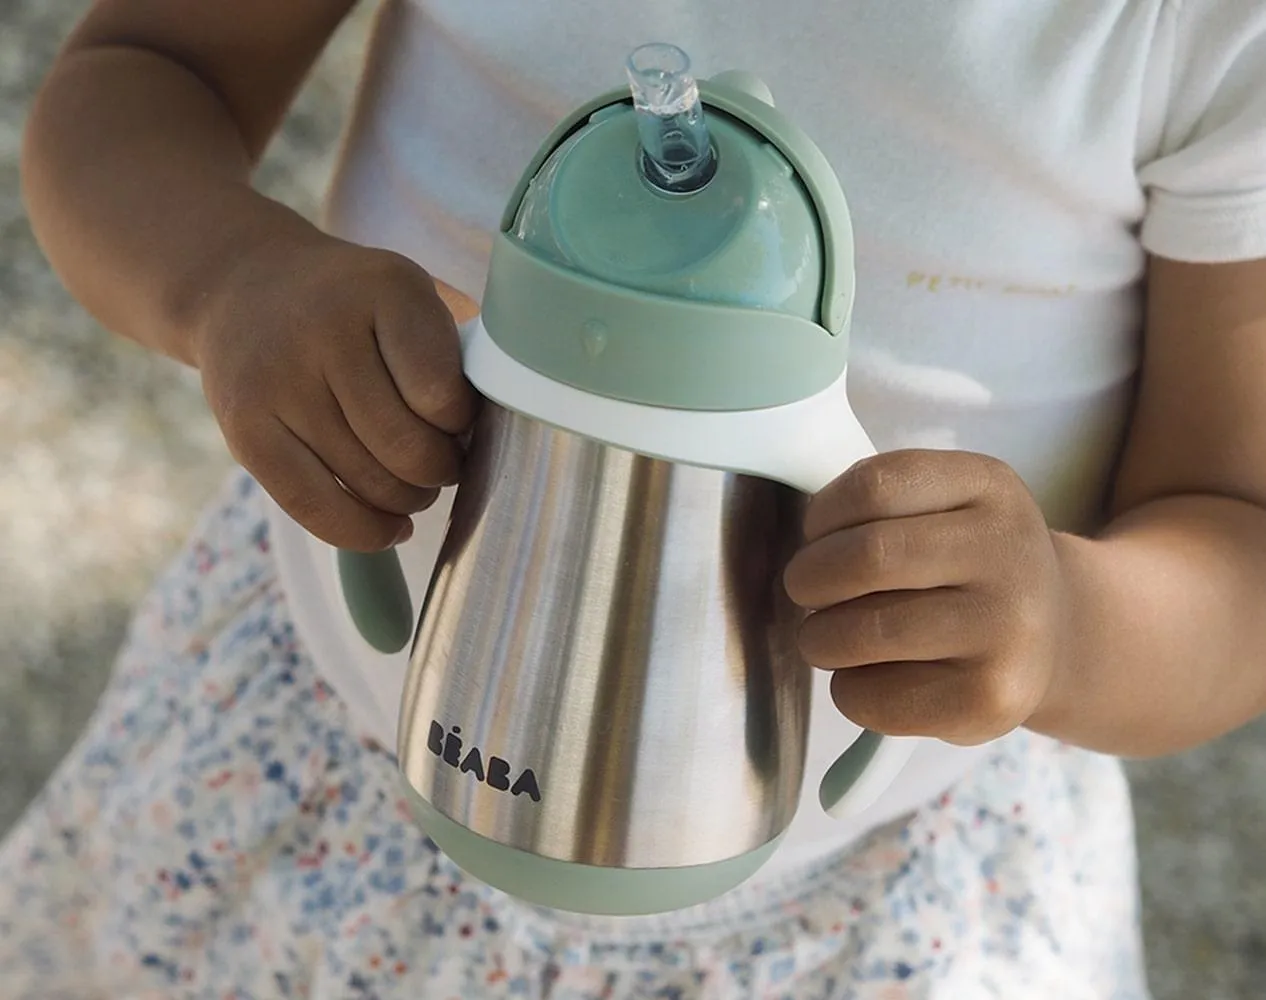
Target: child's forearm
(137, 180)
(1170, 643)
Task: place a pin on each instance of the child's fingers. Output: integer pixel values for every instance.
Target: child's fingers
(908, 553)
(900, 484)
(306, 489)
(404, 443)
(417, 338)
(321, 425)
(949, 624)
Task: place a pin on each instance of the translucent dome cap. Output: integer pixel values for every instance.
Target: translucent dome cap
(679, 218)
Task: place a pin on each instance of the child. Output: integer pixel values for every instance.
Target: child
(1059, 344)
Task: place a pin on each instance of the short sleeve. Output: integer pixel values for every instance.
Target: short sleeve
(1206, 186)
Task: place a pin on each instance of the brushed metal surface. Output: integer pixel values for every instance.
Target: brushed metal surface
(604, 668)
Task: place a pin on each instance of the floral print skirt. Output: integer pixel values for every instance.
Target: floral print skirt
(219, 832)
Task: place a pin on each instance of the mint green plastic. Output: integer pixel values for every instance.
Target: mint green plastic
(651, 349)
(577, 888)
(739, 95)
(606, 284)
(843, 774)
(750, 237)
(377, 598)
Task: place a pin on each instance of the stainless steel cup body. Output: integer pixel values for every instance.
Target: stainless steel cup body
(604, 670)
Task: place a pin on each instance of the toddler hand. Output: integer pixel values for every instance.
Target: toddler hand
(335, 374)
(935, 593)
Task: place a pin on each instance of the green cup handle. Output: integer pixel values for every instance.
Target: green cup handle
(375, 591)
(862, 773)
(376, 595)
(872, 762)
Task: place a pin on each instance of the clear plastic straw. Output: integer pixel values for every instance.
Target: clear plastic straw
(677, 153)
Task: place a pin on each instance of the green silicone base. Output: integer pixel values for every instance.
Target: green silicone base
(577, 888)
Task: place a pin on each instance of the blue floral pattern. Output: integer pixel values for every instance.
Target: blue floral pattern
(220, 833)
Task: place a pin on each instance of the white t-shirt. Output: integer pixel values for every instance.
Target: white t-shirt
(1008, 164)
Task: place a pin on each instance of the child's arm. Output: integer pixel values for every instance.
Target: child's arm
(324, 363)
(935, 573)
(1169, 648)
(140, 147)
(947, 608)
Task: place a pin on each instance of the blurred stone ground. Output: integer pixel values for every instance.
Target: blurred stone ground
(108, 453)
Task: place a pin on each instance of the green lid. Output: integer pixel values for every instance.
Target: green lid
(736, 295)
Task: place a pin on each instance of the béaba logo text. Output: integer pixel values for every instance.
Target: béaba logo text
(448, 748)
